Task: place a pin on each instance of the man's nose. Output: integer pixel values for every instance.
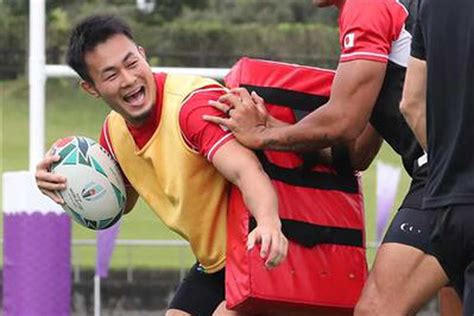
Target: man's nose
(127, 78)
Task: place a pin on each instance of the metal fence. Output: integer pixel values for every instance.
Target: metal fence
(129, 246)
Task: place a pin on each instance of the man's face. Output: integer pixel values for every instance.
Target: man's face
(122, 78)
(326, 3)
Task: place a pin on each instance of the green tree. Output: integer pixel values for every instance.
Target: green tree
(184, 32)
(262, 12)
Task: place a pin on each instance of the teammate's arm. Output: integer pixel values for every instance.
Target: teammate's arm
(362, 150)
(240, 166)
(413, 105)
(342, 119)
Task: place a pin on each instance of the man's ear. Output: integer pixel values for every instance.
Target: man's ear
(90, 89)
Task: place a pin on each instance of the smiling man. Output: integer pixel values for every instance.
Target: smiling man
(180, 165)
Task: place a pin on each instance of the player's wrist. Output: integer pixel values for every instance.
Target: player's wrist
(273, 122)
(268, 220)
(255, 138)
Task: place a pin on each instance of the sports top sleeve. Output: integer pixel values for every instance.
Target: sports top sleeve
(204, 137)
(368, 29)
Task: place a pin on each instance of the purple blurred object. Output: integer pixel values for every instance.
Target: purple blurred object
(36, 263)
(105, 248)
(388, 178)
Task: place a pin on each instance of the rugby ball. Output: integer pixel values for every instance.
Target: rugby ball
(95, 195)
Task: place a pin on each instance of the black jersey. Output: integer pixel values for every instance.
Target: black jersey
(444, 37)
(389, 121)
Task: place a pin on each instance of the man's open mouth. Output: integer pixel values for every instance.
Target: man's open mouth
(136, 96)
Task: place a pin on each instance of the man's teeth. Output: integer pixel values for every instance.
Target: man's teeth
(134, 97)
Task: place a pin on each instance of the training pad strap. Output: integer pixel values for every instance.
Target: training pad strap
(309, 179)
(310, 235)
(302, 104)
(293, 99)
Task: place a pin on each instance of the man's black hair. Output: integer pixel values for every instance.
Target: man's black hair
(89, 33)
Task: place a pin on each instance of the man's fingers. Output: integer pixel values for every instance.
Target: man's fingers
(45, 176)
(45, 163)
(51, 186)
(276, 252)
(283, 248)
(217, 120)
(54, 196)
(285, 245)
(59, 199)
(244, 95)
(50, 183)
(231, 100)
(265, 245)
(272, 248)
(273, 262)
(259, 102)
(273, 259)
(251, 240)
(256, 97)
(223, 107)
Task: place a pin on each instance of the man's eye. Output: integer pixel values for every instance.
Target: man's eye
(111, 77)
(133, 64)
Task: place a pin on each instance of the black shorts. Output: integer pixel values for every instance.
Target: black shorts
(411, 227)
(200, 293)
(453, 244)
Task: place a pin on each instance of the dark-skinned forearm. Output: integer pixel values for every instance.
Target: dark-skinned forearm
(364, 149)
(297, 138)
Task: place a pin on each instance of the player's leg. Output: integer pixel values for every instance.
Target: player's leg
(469, 290)
(403, 276)
(402, 280)
(453, 244)
(176, 312)
(198, 294)
(221, 310)
(449, 302)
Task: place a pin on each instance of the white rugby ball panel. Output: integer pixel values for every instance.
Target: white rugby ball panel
(95, 196)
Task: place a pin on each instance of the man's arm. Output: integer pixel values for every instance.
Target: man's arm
(413, 104)
(132, 197)
(361, 151)
(355, 89)
(241, 167)
(364, 149)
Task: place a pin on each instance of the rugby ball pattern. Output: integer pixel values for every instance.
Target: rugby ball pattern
(95, 196)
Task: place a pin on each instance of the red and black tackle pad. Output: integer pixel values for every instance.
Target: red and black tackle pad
(321, 209)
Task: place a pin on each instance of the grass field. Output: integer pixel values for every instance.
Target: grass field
(70, 112)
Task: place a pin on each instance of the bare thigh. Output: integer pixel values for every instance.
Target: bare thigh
(403, 278)
(176, 312)
(221, 310)
(449, 302)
